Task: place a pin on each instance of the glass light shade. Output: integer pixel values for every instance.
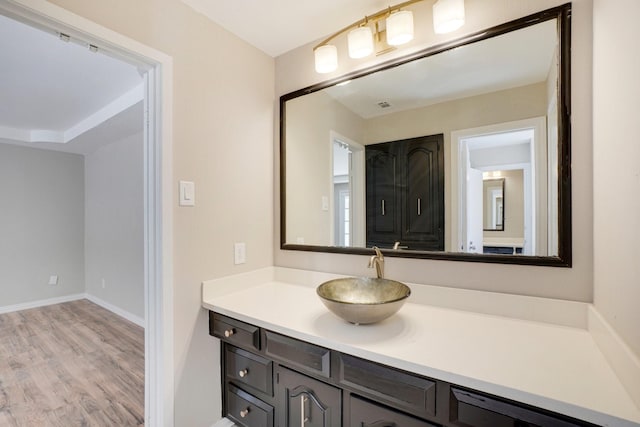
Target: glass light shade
(400, 27)
(448, 15)
(326, 58)
(360, 42)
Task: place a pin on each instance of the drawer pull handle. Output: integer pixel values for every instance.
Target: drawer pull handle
(244, 413)
(243, 373)
(229, 332)
(303, 419)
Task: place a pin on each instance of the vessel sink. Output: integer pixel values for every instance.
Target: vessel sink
(363, 300)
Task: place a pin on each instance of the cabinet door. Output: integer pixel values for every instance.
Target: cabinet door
(306, 402)
(383, 195)
(423, 198)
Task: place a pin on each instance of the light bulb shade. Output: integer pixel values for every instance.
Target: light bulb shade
(448, 15)
(326, 57)
(400, 28)
(360, 42)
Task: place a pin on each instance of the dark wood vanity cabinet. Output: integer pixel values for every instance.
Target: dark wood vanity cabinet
(273, 380)
(405, 193)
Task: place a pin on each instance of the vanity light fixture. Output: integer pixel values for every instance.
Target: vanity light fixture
(360, 42)
(448, 15)
(366, 35)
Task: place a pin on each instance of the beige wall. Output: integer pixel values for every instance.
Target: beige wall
(295, 70)
(309, 163)
(616, 169)
(223, 99)
(41, 224)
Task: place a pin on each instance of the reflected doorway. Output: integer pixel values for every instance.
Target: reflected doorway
(516, 156)
(347, 186)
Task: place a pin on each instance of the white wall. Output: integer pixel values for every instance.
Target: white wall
(114, 224)
(616, 169)
(41, 224)
(295, 70)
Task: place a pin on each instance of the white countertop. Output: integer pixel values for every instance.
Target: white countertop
(556, 367)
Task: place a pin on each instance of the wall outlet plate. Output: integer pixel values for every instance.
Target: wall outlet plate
(239, 253)
(53, 280)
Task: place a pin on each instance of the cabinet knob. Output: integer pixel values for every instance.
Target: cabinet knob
(229, 332)
(243, 373)
(244, 413)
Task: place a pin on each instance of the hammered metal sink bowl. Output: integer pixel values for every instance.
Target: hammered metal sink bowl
(363, 300)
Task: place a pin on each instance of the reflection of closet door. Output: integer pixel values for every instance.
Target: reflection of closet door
(305, 402)
(383, 195)
(423, 198)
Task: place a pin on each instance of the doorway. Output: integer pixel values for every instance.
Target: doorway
(348, 193)
(515, 153)
(157, 195)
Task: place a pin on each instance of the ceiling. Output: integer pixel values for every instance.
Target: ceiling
(277, 26)
(62, 96)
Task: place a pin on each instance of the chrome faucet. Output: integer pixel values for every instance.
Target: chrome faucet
(377, 261)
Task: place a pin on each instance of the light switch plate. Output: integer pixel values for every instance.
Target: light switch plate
(187, 193)
(53, 280)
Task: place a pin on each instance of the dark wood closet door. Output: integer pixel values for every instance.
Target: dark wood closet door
(383, 195)
(423, 200)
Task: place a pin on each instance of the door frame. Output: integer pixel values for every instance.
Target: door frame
(158, 197)
(357, 190)
(539, 184)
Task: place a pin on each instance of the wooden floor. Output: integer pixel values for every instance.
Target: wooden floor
(70, 364)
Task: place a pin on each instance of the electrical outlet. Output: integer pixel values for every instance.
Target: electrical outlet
(53, 280)
(239, 253)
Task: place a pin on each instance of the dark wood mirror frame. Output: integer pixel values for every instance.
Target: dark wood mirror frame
(564, 257)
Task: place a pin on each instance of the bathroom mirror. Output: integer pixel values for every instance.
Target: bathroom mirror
(396, 155)
(493, 204)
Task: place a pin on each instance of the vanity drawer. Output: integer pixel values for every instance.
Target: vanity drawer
(249, 369)
(367, 414)
(478, 410)
(300, 354)
(247, 410)
(396, 388)
(234, 331)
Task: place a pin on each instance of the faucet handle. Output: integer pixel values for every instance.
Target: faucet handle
(378, 253)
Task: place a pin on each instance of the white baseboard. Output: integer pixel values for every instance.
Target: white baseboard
(225, 422)
(117, 310)
(40, 303)
(624, 362)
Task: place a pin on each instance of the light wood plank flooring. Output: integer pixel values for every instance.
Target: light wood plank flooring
(70, 364)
